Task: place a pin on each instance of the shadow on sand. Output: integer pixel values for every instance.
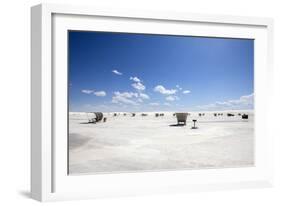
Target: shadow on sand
(25, 193)
(86, 123)
(177, 125)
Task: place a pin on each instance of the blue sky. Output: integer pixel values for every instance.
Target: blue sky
(141, 72)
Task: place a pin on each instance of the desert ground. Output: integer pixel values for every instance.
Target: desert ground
(149, 143)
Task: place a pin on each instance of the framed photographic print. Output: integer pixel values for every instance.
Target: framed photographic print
(134, 102)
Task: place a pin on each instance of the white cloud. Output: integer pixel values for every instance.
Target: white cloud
(116, 72)
(127, 94)
(247, 99)
(101, 106)
(100, 93)
(135, 79)
(186, 92)
(97, 93)
(129, 98)
(138, 86)
(171, 98)
(161, 89)
(154, 104)
(125, 98)
(167, 104)
(143, 96)
(87, 91)
(244, 102)
(178, 86)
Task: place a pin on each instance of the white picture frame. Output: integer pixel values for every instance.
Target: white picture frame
(49, 179)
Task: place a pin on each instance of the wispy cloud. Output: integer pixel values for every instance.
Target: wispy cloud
(167, 104)
(125, 98)
(100, 93)
(97, 93)
(178, 86)
(161, 89)
(87, 91)
(127, 94)
(144, 96)
(135, 79)
(186, 91)
(116, 72)
(172, 98)
(154, 104)
(138, 86)
(244, 102)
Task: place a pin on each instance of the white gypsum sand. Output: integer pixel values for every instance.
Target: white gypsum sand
(145, 143)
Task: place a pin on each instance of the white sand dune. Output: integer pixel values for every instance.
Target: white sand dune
(130, 144)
